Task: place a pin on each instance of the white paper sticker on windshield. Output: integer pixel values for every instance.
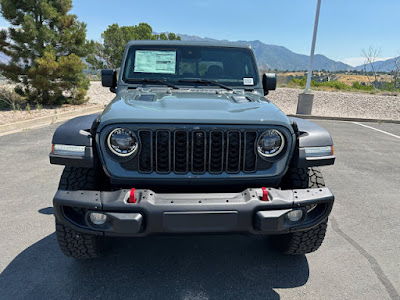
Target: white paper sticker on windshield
(147, 61)
(248, 81)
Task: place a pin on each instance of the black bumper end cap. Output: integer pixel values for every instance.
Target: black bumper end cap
(124, 223)
(271, 220)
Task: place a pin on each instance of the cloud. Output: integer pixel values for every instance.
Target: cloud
(357, 61)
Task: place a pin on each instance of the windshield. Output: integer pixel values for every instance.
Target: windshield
(184, 65)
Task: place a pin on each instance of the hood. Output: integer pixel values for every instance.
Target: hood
(194, 106)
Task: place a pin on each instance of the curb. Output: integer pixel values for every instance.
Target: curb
(47, 120)
(344, 119)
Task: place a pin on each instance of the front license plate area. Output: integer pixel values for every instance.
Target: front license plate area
(213, 221)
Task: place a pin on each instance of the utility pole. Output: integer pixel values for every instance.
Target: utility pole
(305, 101)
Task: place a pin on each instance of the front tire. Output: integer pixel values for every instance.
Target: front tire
(73, 243)
(77, 244)
(307, 241)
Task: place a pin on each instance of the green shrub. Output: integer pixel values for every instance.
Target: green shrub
(295, 82)
(340, 86)
(333, 84)
(358, 86)
(9, 99)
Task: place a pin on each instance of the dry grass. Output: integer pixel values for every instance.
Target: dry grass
(350, 79)
(344, 78)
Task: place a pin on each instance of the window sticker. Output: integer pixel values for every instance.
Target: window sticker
(248, 81)
(147, 61)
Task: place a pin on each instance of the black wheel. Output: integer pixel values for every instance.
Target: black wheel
(74, 243)
(310, 240)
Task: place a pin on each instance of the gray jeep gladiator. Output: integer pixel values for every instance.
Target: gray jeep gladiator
(190, 145)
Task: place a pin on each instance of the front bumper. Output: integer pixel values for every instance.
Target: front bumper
(249, 211)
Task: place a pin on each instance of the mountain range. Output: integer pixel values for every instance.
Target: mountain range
(272, 57)
(278, 57)
(384, 65)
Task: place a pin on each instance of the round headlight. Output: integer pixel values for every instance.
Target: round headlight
(122, 142)
(270, 143)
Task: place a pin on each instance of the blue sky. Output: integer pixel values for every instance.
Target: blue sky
(346, 26)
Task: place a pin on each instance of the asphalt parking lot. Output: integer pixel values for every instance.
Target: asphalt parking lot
(360, 258)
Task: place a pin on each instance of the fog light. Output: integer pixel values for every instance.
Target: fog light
(295, 215)
(98, 218)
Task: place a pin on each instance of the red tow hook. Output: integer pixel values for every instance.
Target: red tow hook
(265, 194)
(132, 198)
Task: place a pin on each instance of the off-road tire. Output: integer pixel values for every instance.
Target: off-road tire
(74, 243)
(77, 244)
(301, 242)
(73, 179)
(302, 178)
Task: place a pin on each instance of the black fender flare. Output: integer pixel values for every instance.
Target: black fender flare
(77, 132)
(310, 134)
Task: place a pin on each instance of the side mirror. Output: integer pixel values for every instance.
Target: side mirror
(109, 79)
(269, 82)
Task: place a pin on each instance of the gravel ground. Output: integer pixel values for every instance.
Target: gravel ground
(339, 104)
(7, 117)
(332, 104)
(99, 94)
(96, 93)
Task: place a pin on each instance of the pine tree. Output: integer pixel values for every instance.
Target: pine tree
(45, 45)
(110, 53)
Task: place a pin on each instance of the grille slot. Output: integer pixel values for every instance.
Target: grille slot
(216, 152)
(146, 152)
(197, 151)
(181, 151)
(233, 151)
(163, 151)
(250, 157)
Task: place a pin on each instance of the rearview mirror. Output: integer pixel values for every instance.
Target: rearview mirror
(109, 79)
(269, 82)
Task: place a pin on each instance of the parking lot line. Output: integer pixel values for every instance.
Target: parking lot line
(382, 131)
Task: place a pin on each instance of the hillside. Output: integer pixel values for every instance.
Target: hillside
(281, 58)
(384, 65)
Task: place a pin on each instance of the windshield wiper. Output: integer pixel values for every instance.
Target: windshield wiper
(157, 81)
(207, 82)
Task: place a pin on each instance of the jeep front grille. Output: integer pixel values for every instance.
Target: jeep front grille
(197, 151)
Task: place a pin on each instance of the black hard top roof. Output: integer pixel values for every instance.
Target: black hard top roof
(188, 43)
